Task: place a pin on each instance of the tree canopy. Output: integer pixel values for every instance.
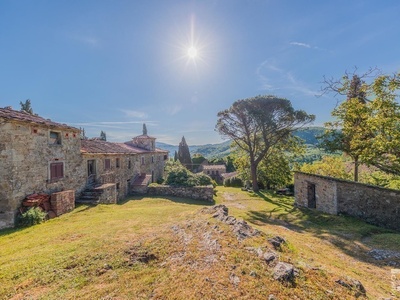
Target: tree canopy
(26, 106)
(367, 125)
(257, 124)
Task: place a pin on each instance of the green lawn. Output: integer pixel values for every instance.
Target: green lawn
(164, 248)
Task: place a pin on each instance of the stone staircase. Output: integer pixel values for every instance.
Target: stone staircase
(90, 195)
(140, 183)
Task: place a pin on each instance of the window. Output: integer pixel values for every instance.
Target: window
(129, 164)
(142, 160)
(117, 162)
(107, 164)
(117, 186)
(55, 138)
(56, 171)
(152, 158)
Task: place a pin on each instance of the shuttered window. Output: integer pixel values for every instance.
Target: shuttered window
(56, 170)
(107, 164)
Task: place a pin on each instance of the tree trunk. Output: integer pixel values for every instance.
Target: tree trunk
(356, 169)
(253, 168)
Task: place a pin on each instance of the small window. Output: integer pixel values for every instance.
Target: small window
(152, 159)
(142, 160)
(117, 163)
(107, 164)
(129, 164)
(56, 170)
(117, 185)
(55, 138)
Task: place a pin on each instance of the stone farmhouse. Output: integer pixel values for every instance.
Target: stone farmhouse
(38, 155)
(214, 171)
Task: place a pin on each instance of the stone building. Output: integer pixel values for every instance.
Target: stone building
(38, 155)
(214, 171)
(373, 204)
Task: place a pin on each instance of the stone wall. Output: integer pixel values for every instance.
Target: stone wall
(372, 204)
(62, 202)
(325, 192)
(205, 193)
(108, 193)
(26, 152)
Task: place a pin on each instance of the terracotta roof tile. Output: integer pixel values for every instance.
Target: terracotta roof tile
(100, 146)
(20, 116)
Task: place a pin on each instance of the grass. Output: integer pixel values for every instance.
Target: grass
(164, 248)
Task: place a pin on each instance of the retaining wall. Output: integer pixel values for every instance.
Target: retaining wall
(205, 193)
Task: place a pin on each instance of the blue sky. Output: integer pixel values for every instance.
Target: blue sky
(113, 65)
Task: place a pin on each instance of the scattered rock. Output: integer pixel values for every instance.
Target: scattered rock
(253, 273)
(277, 242)
(354, 285)
(270, 257)
(234, 279)
(285, 272)
(241, 229)
(382, 254)
(271, 297)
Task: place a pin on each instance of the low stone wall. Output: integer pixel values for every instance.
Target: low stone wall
(373, 204)
(107, 193)
(205, 193)
(62, 202)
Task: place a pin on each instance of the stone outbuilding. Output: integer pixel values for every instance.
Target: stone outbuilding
(373, 204)
(214, 171)
(38, 155)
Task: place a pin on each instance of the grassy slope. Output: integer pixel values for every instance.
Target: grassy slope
(101, 252)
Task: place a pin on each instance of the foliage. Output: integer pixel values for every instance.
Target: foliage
(103, 136)
(274, 170)
(369, 128)
(26, 106)
(184, 154)
(178, 175)
(257, 124)
(233, 182)
(32, 216)
(329, 166)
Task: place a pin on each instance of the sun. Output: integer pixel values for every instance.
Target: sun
(192, 52)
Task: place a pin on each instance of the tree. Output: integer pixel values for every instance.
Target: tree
(257, 124)
(176, 156)
(184, 154)
(144, 129)
(351, 122)
(366, 129)
(103, 136)
(26, 106)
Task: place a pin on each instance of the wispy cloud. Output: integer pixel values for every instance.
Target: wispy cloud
(134, 113)
(300, 44)
(273, 78)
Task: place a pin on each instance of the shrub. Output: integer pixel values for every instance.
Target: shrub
(178, 175)
(34, 215)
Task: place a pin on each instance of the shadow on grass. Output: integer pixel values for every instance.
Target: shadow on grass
(170, 198)
(344, 232)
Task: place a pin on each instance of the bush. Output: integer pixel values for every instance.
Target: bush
(233, 182)
(178, 175)
(34, 215)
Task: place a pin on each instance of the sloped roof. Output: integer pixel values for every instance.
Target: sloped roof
(214, 167)
(23, 117)
(104, 147)
(144, 136)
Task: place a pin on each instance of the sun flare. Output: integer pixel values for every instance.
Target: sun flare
(192, 52)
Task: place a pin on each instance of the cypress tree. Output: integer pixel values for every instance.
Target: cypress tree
(184, 154)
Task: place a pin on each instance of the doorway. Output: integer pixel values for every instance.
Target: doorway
(91, 170)
(312, 201)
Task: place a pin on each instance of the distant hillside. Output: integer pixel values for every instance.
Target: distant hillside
(309, 134)
(211, 151)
